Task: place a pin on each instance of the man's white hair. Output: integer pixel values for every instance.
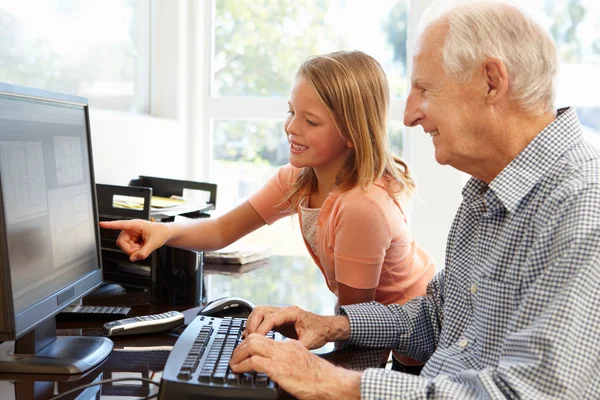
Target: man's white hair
(483, 29)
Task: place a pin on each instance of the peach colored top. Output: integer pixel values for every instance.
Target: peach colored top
(363, 240)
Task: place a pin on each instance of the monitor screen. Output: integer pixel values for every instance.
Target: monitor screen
(48, 220)
(48, 207)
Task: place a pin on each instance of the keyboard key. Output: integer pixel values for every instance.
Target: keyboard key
(205, 376)
(261, 379)
(185, 375)
(247, 379)
(233, 378)
(220, 376)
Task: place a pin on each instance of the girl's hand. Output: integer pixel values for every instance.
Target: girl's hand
(138, 238)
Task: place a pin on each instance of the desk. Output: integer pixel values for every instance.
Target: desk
(278, 281)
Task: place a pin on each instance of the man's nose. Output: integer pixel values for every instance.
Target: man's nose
(412, 111)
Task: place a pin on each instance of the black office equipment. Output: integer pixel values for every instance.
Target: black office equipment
(228, 307)
(198, 366)
(155, 323)
(49, 238)
(116, 264)
(173, 276)
(164, 187)
(177, 278)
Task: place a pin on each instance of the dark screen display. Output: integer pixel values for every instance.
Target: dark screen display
(47, 195)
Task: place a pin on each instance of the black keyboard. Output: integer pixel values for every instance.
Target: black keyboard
(198, 366)
(80, 312)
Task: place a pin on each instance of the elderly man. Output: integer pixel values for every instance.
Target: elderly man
(515, 313)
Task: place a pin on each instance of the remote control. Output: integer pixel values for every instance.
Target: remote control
(147, 324)
(80, 312)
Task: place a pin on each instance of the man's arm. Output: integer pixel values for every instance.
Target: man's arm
(553, 355)
(552, 348)
(413, 329)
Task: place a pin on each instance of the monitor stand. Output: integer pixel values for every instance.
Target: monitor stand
(42, 352)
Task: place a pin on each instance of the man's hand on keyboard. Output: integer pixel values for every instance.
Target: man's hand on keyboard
(296, 370)
(311, 330)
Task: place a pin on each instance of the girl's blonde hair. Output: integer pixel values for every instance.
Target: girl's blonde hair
(354, 89)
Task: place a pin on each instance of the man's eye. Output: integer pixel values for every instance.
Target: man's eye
(420, 89)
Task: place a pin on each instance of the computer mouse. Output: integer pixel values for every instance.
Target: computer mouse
(108, 289)
(234, 307)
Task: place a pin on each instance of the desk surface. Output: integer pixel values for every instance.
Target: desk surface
(276, 281)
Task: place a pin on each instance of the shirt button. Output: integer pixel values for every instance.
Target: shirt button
(463, 343)
(474, 288)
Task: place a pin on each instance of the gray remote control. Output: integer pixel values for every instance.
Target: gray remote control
(146, 324)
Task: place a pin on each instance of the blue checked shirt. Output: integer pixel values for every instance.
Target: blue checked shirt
(515, 314)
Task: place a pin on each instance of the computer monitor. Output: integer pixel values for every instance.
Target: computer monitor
(49, 236)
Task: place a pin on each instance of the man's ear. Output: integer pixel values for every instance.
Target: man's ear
(496, 77)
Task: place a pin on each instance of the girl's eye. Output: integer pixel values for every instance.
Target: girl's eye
(309, 122)
(290, 112)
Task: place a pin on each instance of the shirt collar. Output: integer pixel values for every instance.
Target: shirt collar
(521, 175)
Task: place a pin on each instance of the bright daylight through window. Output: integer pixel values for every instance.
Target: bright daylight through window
(258, 46)
(94, 49)
(574, 26)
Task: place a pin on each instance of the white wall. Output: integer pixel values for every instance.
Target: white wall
(438, 196)
(128, 145)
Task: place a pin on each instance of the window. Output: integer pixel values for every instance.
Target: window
(257, 48)
(95, 49)
(574, 27)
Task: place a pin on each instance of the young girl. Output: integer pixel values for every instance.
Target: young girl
(342, 181)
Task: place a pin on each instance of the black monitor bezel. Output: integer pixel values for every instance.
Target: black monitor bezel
(13, 326)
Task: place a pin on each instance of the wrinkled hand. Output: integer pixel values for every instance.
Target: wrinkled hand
(296, 370)
(138, 238)
(311, 330)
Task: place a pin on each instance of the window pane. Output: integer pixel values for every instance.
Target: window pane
(396, 137)
(590, 123)
(260, 44)
(245, 155)
(574, 26)
(81, 47)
